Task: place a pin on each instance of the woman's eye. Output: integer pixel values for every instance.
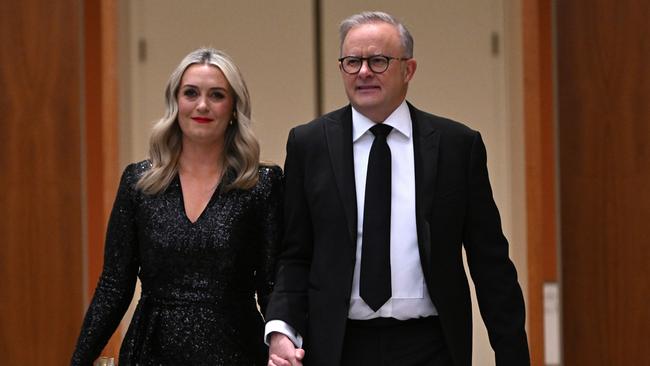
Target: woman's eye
(190, 93)
(217, 95)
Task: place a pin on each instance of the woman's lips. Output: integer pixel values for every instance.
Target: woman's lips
(202, 119)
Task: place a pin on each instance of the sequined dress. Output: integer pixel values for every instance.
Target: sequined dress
(199, 280)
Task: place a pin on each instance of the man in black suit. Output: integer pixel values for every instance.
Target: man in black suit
(380, 199)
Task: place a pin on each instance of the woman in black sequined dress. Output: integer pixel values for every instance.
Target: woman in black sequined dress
(199, 224)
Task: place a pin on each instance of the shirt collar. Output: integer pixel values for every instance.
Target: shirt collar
(400, 120)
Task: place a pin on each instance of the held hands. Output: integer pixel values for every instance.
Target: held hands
(282, 352)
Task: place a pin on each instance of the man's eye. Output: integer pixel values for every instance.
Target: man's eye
(378, 61)
(352, 61)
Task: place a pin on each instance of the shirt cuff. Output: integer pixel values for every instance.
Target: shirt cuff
(284, 328)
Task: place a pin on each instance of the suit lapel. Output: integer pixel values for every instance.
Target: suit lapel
(426, 140)
(338, 131)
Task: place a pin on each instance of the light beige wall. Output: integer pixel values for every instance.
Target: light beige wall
(272, 45)
(514, 91)
(457, 76)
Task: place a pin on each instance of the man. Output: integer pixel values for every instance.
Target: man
(380, 198)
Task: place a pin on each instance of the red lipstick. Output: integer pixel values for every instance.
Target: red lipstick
(202, 119)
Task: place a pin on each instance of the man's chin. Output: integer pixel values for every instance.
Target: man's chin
(366, 103)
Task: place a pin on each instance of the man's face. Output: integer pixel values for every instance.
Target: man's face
(375, 95)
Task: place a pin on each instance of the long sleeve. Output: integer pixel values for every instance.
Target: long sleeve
(270, 212)
(115, 288)
(289, 302)
(498, 292)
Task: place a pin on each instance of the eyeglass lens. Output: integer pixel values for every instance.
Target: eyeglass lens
(353, 65)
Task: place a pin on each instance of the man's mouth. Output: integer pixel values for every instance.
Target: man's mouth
(367, 87)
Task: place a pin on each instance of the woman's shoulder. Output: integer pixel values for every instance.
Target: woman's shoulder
(134, 171)
(270, 171)
(270, 178)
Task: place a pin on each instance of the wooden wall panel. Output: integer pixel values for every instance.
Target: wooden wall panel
(540, 165)
(604, 128)
(40, 181)
(102, 172)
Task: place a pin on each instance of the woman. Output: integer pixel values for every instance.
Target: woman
(198, 223)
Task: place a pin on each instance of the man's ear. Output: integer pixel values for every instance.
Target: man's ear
(409, 71)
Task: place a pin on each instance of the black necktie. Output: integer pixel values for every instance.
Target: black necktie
(374, 287)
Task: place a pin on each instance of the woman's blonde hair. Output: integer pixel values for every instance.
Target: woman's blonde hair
(241, 149)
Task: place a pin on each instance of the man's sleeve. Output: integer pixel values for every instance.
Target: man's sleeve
(289, 301)
(499, 296)
(284, 328)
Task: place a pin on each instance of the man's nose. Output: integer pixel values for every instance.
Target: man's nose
(365, 70)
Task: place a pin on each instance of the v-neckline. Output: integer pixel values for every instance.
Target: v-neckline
(215, 192)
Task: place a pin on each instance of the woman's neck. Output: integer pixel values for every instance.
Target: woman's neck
(201, 160)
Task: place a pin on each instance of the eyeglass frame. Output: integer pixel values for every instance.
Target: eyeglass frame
(367, 60)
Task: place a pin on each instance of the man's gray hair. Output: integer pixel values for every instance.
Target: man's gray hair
(368, 17)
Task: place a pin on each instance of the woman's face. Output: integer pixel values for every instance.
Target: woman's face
(205, 104)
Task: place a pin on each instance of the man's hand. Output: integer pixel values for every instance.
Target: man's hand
(282, 352)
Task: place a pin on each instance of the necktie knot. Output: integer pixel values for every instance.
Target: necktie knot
(380, 129)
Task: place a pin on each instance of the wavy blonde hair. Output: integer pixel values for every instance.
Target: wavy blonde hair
(241, 148)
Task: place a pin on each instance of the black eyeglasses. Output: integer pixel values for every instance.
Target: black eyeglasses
(378, 63)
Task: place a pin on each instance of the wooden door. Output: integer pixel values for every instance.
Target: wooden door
(41, 291)
(603, 53)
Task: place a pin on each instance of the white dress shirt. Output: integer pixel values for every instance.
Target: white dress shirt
(410, 297)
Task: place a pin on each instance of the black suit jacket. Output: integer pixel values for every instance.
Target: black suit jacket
(454, 208)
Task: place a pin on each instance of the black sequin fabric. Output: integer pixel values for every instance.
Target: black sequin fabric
(200, 280)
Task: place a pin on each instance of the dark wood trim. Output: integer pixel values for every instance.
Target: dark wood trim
(540, 165)
(100, 84)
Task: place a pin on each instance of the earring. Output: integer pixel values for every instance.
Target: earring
(230, 123)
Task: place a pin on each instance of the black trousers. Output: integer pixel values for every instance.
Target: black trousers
(392, 342)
